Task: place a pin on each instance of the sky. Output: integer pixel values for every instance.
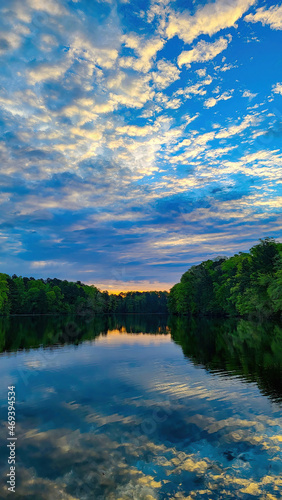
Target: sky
(137, 138)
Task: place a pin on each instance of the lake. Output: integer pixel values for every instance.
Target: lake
(142, 407)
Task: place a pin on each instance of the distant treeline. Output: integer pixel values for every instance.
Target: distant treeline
(20, 295)
(247, 284)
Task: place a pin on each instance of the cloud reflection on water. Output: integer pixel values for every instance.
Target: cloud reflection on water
(137, 420)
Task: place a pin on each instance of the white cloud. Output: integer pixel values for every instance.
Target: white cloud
(272, 16)
(195, 89)
(248, 121)
(166, 74)
(132, 91)
(48, 71)
(167, 102)
(11, 40)
(277, 89)
(226, 67)
(208, 19)
(145, 49)
(76, 121)
(264, 164)
(201, 72)
(249, 94)
(134, 131)
(215, 153)
(36, 264)
(50, 6)
(203, 51)
(212, 101)
(189, 119)
(103, 55)
(83, 55)
(48, 42)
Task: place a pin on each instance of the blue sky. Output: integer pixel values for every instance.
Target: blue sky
(137, 138)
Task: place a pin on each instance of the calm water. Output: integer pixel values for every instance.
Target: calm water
(143, 408)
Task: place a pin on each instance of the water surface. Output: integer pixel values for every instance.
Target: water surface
(143, 407)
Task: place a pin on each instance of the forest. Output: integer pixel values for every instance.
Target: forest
(22, 295)
(246, 285)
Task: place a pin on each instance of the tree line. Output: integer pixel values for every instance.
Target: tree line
(246, 284)
(22, 295)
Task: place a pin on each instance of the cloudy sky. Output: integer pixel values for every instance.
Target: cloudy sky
(137, 137)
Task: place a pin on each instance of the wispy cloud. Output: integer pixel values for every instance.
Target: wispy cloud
(277, 88)
(212, 101)
(208, 19)
(271, 16)
(202, 52)
(129, 143)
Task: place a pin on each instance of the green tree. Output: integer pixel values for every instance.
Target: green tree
(4, 294)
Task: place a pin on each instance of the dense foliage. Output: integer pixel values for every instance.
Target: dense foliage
(245, 284)
(37, 296)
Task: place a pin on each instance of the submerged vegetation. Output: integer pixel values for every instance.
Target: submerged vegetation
(246, 284)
